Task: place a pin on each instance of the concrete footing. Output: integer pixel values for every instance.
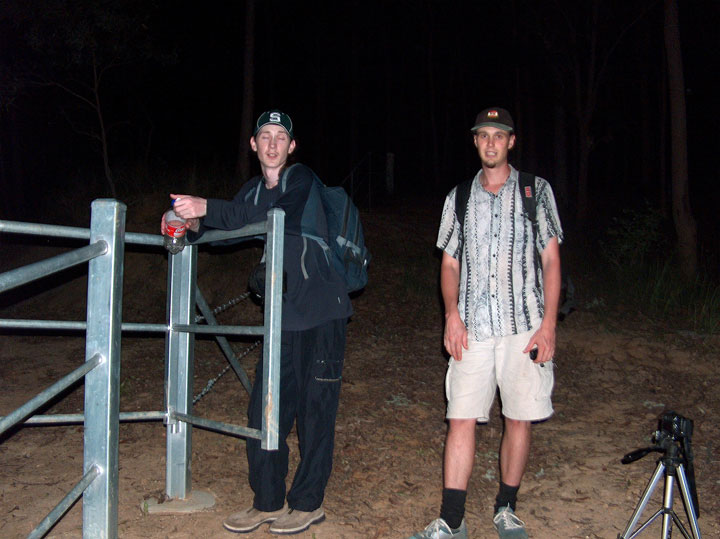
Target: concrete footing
(198, 500)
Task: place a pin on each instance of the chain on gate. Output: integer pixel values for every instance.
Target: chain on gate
(217, 310)
(225, 306)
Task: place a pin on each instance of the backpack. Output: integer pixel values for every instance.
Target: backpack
(347, 252)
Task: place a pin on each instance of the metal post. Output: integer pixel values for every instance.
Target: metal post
(179, 351)
(273, 316)
(102, 395)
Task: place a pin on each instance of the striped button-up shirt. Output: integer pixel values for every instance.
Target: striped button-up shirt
(501, 274)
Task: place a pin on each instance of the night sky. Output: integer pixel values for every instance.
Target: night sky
(399, 76)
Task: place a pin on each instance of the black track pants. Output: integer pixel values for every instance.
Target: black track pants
(310, 373)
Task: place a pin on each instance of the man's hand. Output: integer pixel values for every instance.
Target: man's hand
(456, 335)
(189, 207)
(192, 224)
(544, 339)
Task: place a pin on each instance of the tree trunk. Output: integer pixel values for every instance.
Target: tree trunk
(665, 192)
(583, 195)
(685, 226)
(648, 165)
(356, 102)
(432, 99)
(242, 167)
(585, 81)
(560, 147)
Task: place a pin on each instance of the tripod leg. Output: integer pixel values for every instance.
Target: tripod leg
(667, 520)
(687, 499)
(643, 501)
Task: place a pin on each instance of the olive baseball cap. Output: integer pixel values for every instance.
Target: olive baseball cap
(276, 117)
(494, 117)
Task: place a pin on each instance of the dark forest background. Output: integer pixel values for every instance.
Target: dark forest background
(114, 98)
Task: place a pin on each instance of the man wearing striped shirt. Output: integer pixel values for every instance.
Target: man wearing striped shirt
(500, 283)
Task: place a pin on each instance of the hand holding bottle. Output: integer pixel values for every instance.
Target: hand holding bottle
(189, 207)
(173, 228)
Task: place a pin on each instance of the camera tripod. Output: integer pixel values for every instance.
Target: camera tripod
(670, 465)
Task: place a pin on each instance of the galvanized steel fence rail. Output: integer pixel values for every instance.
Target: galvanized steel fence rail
(101, 369)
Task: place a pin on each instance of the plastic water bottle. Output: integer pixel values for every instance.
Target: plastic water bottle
(174, 232)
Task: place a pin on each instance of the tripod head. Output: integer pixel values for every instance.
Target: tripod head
(667, 447)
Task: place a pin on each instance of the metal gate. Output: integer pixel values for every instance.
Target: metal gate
(101, 369)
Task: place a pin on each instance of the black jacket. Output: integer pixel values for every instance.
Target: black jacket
(315, 292)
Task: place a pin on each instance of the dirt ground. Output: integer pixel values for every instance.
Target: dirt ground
(616, 372)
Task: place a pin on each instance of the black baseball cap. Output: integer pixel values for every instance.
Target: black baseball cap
(276, 117)
(494, 117)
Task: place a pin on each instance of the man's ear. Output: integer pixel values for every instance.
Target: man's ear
(253, 144)
(512, 142)
(292, 146)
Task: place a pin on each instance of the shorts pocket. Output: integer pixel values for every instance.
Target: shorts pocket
(545, 380)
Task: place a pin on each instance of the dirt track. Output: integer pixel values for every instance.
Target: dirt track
(616, 372)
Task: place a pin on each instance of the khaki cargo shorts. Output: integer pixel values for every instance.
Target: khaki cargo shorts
(498, 362)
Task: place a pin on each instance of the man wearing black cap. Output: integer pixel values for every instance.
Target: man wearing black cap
(315, 310)
(501, 304)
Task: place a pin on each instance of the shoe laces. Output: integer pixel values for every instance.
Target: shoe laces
(435, 527)
(510, 520)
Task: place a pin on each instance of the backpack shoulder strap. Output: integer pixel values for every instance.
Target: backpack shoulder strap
(285, 176)
(253, 192)
(526, 184)
(462, 197)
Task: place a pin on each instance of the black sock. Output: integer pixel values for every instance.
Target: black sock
(507, 495)
(452, 510)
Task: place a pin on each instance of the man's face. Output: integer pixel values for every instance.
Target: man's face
(493, 145)
(272, 145)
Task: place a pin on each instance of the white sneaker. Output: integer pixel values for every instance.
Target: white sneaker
(439, 529)
(508, 525)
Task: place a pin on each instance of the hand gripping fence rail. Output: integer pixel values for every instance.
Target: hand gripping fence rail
(98, 485)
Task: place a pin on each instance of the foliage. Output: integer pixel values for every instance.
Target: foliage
(665, 293)
(646, 273)
(637, 237)
(85, 49)
(76, 34)
(144, 188)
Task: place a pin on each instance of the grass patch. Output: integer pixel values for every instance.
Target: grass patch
(662, 292)
(645, 272)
